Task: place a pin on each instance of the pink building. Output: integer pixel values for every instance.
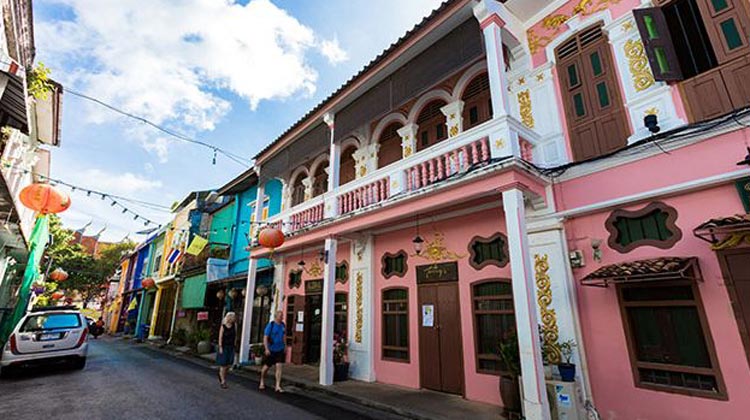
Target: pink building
(561, 173)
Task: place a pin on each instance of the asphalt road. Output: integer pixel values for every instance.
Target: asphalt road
(124, 381)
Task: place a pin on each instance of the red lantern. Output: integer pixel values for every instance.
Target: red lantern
(44, 198)
(57, 296)
(148, 283)
(271, 237)
(58, 275)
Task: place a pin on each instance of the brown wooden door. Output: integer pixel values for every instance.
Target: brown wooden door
(440, 350)
(735, 264)
(166, 310)
(298, 337)
(594, 110)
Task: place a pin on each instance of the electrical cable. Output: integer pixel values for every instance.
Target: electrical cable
(179, 136)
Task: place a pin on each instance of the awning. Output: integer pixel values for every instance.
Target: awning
(643, 271)
(194, 292)
(725, 232)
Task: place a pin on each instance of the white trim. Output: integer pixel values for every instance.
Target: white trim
(425, 99)
(544, 12)
(385, 122)
(466, 78)
(575, 24)
(325, 157)
(671, 190)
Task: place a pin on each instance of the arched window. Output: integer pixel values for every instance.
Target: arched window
(390, 145)
(320, 179)
(348, 167)
(298, 190)
(594, 110)
(431, 122)
(477, 101)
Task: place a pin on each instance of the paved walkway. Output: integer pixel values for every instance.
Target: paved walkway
(127, 381)
(418, 404)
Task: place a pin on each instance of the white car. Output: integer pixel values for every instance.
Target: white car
(47, 336)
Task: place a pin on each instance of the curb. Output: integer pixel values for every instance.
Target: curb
(250, 373)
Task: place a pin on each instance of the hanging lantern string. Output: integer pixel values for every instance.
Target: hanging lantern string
(115, 200)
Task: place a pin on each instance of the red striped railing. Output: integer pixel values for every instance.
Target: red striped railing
(307, 217)
(364, 196)
(448, 164)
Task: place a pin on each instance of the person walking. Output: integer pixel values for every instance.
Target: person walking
(273, 340)
(225, 356)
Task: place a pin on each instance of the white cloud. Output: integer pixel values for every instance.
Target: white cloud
(333, 51)
(126, 184)
(167, 60)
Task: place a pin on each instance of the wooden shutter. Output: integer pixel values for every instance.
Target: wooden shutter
(728, 27)
(594, 110)
(736, 77)
(657, 42)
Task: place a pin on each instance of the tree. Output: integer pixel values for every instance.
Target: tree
(87, 273)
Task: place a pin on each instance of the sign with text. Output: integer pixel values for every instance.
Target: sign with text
(436, 273)
(203, 316)
(428, 315)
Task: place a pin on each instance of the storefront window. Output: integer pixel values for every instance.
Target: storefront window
(670, 348)
(396, 324)
(494, 319)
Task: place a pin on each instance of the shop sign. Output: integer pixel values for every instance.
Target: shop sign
(203, 316)
(435, 273)
(313, 286)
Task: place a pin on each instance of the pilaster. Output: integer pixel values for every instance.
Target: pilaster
(326, 334)
(252, 271)
(454, 117)
(361, 301)
(408, 135)
(535, 402)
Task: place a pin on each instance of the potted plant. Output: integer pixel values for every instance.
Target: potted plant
(567, 369)
(203, 338)
(340, 358)
(258, 350)
(510, 360)
(546, 355)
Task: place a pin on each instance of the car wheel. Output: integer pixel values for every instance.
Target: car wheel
(80, 363)
(6, 372)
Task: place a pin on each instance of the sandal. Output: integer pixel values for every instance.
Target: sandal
(224, 386)
(262, 386)
(279, 390)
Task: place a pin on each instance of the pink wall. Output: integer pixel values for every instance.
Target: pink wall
(458, 234)
(706, 158)
(615, 395)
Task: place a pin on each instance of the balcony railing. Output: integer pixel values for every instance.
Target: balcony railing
(447, 164)
(474, 147)
(364, 196)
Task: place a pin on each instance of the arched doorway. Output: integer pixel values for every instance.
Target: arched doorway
(390, 145)
(477, 101)
(348, 167)
(431, 122)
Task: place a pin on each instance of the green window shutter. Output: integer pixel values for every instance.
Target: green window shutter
(657, 42)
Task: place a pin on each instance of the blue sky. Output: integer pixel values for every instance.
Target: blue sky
(233, 74)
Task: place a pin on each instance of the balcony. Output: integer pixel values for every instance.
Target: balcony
(498, 139)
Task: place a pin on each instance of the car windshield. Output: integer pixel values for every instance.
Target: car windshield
(50, 322)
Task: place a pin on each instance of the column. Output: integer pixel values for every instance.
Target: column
(331, 207)
(326, 333)
(408, 135)
(247, 315)
(454, 117)
(278, 280)
(361, 310)
(488, 14)
(155, 313)
(535, 402)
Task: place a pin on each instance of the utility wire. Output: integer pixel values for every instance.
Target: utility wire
(179, 136)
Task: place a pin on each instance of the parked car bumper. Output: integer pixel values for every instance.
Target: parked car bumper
(10, 359)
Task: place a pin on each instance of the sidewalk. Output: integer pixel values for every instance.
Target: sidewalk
(406, 402)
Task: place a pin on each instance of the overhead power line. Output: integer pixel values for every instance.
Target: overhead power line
(179, 136)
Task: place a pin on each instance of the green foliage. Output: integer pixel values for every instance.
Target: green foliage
(566, 348)
(87, 274)
(257, 350)
(201, 334)
(509, 354)
(39, 85)
(180, 337)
